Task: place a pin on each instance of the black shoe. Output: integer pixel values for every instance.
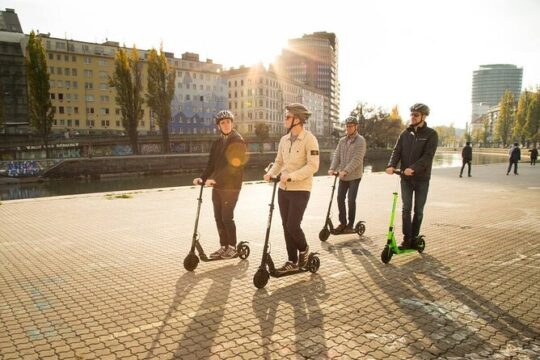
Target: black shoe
(303, 258)
(470, 175)
(406, 244)
(460, 176)
(340, 228)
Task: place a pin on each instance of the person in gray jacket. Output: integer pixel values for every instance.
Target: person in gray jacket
(348, 162)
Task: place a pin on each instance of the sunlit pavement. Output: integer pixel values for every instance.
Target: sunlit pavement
(101, 277)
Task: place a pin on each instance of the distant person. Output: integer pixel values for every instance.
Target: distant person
(348, 162)
(534, 155)
(514, 157)
(466, 156)
(225, 172)
(297, 160)
(414, 149)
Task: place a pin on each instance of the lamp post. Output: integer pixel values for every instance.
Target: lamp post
(90, 142)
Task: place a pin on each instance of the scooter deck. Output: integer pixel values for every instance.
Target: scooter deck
(344, 232)
(276, 274)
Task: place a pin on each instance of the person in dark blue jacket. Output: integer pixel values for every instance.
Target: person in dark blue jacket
(514, 157)
(414, 150)
(225, 172)
(466, 155)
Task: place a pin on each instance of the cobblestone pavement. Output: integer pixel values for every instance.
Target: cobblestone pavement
(100, 276)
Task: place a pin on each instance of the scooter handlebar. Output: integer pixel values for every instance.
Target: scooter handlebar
(397, 171)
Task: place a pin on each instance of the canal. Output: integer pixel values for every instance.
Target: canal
(126, 183)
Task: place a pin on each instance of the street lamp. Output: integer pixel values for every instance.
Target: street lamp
(90, 150)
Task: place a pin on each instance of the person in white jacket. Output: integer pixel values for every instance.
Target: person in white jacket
(297, 160)
(348, 162)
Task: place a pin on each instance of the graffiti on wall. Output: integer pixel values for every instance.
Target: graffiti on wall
(21, 168)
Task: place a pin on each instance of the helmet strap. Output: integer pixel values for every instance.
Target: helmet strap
(293, 125)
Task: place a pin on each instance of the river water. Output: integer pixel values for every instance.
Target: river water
(123, 183)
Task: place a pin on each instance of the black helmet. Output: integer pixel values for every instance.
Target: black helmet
(351, 120)
(421, 108)
(223, 114)
(299, 111)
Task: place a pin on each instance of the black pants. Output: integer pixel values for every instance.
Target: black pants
(224, 203)
(418, 190)
(345, 187)
(292, 205)
(533, 161)
(510, 163)
(465, 162)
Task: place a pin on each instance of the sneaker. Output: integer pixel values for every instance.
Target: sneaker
(218, 253)
(348, 229)
(229, 253)
(303, 258)
(340, 228)
(460, 175)
(406, 244)
(287, 267)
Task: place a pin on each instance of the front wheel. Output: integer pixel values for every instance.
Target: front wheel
(260, 279)
(191, 261)
(243, 251)
(386, 254)
(360, 228)
(324, 234)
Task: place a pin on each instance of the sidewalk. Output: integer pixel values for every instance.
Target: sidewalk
(101, 277)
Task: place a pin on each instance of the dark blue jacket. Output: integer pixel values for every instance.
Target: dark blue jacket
(415, 150)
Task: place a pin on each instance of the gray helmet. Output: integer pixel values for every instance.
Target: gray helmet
(299, 111)
(223, 114)
(421, 108)
(351, 120)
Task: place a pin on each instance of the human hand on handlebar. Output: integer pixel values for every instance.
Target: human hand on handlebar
(197, 181)
(390, 170)
(266, 177)
(285, 178)
(210, 182)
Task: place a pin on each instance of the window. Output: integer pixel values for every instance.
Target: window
(74, 72)
(103, 75)
(61, 109)
(87, 59)
(74, 59)
(69, 109)
(76, 109)
(60, 96)
(89, 110)
(103, 86)
(66, 57)
(52, 96)
(89, 98)
(88, 73)
(104, 111)
(102, 62)
(88, 85)
(59, 70)
(117, 111)
(104, 98)
(75, 84)
(67, 71)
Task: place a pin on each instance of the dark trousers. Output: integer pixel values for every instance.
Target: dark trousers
(224, 203)
(352, 188)
(510, 163)
(465, 162)
(418, 189)
(533, 161)
(292, 205)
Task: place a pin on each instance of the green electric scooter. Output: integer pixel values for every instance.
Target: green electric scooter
(391, 247)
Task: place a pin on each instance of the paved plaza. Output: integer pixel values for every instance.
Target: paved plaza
(101, 276)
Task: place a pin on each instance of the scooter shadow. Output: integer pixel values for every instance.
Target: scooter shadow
(307, 340)
(208, 316)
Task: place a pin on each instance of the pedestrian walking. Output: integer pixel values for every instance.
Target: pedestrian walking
(466, 156)
(297, 160)
(224, 172)
(414, 150)
(534, 155)
(348, 162)
(513, 159)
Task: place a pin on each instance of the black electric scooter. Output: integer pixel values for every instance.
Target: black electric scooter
(267, 268)
(328, 228)
(192, 260)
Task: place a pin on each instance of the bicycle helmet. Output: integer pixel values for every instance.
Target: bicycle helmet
(351, 120)
(421, 108)
(299, 111)
(223, 114)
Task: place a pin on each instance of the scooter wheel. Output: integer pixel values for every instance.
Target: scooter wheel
(191, 261)
(260, 279)
(386, 254)
(243, 251)
(360, 228)
(324, 234)
(314, 264)
(420, 245)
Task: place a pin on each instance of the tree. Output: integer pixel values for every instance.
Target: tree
(478, 136)
(161, 78)
(379, 128)
(261, 131)
(467, 134)
(447, 135)
(532, 122)
(521, 116)
(127, 80)
(39, 99)
(485, 132)
(505, 121)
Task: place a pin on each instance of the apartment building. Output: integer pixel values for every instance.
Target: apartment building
(259, 95)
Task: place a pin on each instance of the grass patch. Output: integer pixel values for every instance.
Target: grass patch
(119, 196)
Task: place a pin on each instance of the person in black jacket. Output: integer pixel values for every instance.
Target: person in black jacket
(224, 172)
(534, 155)
(466, 155)
(513, 159)
(414, 149)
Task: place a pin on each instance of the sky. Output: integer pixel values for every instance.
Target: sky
(391, 52)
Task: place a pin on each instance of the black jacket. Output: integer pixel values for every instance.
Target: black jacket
(466, 153)
(226, 162)
(415, 149)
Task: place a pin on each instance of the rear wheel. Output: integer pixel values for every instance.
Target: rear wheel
(360, 228)
(313, 264)
(420, 244)
(260, 279)
(386, 254)
(324, 234)
(243, 251)
(191, 261)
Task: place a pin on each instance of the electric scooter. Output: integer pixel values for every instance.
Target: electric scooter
(328, 228)
(391, 247)
(267, 267)
(192, 260)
